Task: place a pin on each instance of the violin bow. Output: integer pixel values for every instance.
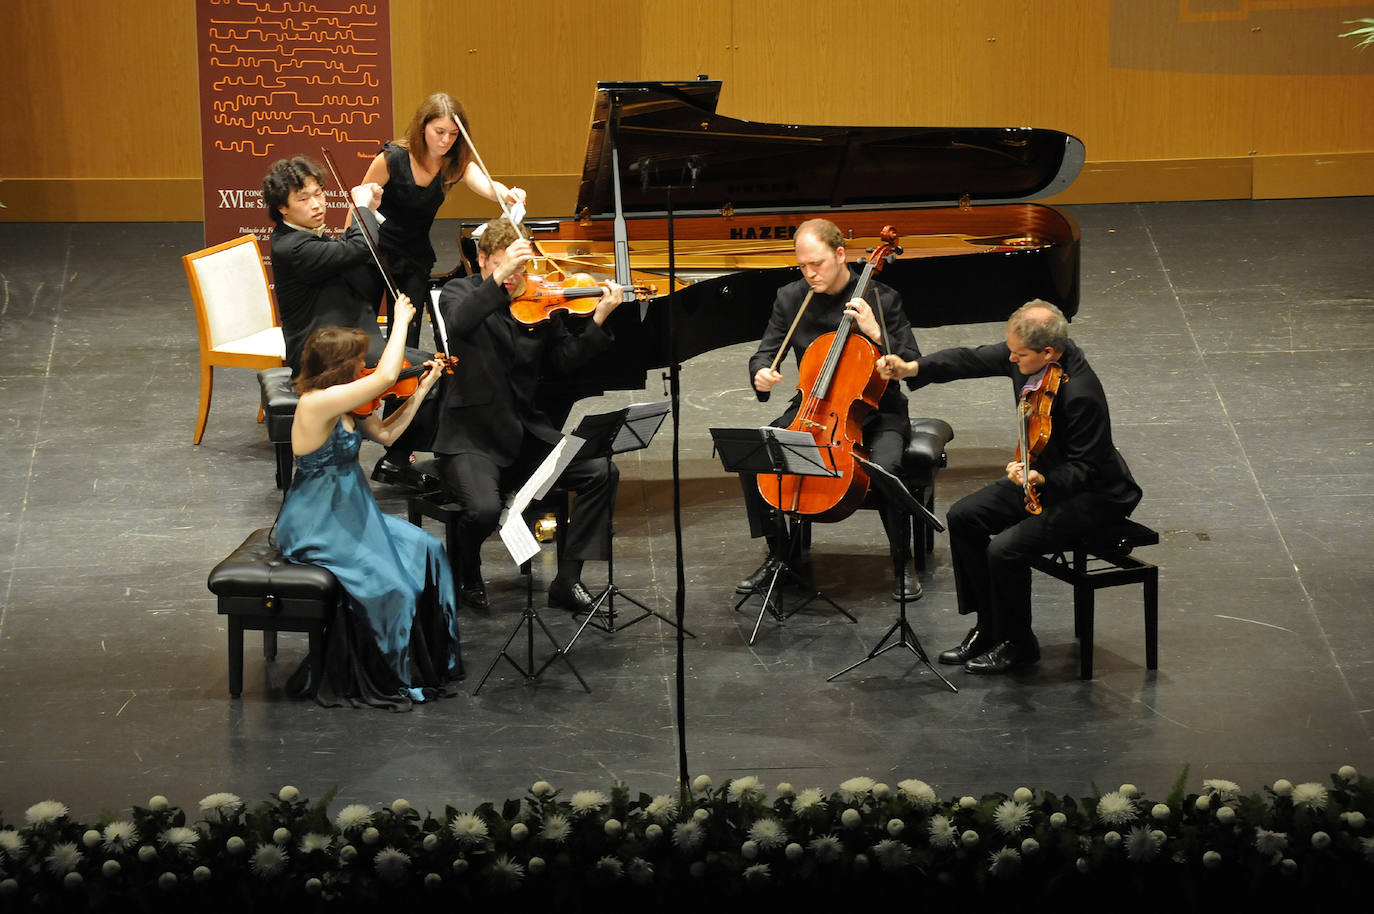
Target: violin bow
(782, 350)
(367, 233)
(501, 200)
(377, 256)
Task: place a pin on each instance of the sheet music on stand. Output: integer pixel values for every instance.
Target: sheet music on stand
(621, 430)
(515, 533)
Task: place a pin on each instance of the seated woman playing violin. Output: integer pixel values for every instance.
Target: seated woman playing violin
(490, 435)
(1075, 479)
(395, 641)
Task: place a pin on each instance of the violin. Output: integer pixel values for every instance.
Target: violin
(407, 382)
(544, 296)
(1033, 414)
(841, 386)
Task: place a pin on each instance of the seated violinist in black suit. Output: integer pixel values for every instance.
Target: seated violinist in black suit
(1082, 481)
(490, 435)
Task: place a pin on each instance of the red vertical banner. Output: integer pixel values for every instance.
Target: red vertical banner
(280, 78)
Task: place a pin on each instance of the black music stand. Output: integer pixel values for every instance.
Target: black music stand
(904, 508)
(603, 435)
(529, 617)
(777, 452)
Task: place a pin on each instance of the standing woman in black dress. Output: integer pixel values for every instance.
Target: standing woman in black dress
(417, 171)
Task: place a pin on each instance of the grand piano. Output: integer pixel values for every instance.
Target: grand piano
(661, 164)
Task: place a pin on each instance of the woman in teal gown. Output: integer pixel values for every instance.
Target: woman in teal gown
(394, 639)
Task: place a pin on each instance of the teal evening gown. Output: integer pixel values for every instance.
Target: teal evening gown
(394, 640)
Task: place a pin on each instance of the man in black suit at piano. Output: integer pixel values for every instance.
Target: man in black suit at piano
(1082, 479)
(490, 434)
(820, 252)
(323, 281)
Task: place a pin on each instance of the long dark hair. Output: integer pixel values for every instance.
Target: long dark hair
(329, 357)
(440, 105)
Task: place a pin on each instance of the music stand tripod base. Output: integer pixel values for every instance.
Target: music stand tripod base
(631, 428)
(769, 451)
(774, 600)
(897, 495)
(528, 619)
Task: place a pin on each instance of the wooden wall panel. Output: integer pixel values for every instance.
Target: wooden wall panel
(98, 89)
(105, 90)
(526, 71)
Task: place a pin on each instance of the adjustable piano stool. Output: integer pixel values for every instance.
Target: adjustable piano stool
(259, 589)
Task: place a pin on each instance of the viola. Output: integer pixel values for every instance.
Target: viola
(407, 382)
(841, 387)
(544, 296)
(1033, 414)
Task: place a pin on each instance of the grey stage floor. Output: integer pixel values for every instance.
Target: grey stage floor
(1234, 339)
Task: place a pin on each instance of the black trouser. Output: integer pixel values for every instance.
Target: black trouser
(412, 280)
(886, 446)
(477, 484)
(991, 539)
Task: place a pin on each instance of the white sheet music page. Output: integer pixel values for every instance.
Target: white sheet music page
(515, 533)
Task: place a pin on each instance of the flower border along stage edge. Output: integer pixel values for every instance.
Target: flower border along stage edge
(864, 843)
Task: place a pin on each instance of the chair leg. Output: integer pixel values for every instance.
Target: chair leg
(207, 386)
(316, 635)
(235, 656)
(1083, 599)
(286, 465)
(1151, 588)
(269, 644)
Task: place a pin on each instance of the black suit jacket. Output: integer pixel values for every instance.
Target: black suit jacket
(487, 405)
(324, 282)
(823, 316)
(1080, 455)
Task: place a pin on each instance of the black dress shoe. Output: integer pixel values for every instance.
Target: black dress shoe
(572, 596)
(972, 645)
(761, 576)
(393, 474)
(1005, 657)
(474, 594)
(912, 585)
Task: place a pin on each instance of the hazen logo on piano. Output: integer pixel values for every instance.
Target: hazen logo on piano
(780, 232)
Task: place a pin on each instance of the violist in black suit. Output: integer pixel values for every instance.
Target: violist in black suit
(1082, 479)
(321, 281)
(490, 435)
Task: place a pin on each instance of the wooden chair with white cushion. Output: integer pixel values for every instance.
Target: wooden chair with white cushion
(235, 313)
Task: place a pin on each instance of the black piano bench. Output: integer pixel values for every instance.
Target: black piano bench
(438, 506)
(278, 411)
(923, 458)
(1103, 559)
(260, 590)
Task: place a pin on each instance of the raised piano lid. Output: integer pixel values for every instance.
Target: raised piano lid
(668, 134)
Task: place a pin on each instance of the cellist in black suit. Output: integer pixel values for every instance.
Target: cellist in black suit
(826, 291)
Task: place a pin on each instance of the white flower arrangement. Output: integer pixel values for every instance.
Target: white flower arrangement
(1304, 846)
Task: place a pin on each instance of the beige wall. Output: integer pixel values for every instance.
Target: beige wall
(1174, 99)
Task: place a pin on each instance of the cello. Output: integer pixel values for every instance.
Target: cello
(841, 387)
